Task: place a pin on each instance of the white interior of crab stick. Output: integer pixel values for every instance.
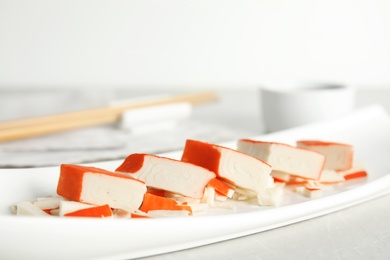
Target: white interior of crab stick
(285, 158)
(235, 167)
(338, 156)
(99, 187)
(244, 171)
(168, 174)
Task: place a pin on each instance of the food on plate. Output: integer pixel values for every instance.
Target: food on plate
(68, 206)
(232, 166)
(97, 186)
(167, 174)
(27, 208)
(310, 167)
(331, 177)
(311, 192)
(285, 158)
(221, 187)
(155, 202)
(280, 176)
(356, 171)
(208, 178)
(339, 156)
(102, 211)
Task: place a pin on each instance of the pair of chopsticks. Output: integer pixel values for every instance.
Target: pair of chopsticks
(30, 127)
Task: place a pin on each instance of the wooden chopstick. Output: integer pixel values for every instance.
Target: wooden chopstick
(29, 127)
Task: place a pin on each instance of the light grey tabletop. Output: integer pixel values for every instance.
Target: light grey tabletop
(358, 232)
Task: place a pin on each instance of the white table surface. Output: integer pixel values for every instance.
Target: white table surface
(358, 232)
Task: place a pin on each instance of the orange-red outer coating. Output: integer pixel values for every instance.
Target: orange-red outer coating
(195, 151)
(220, 186)
(357, 174)
(70, 183)
(98, 211)
(154, 202)
(320, 143)
(132, 163)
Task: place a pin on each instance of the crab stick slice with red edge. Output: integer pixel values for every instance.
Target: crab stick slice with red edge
(28, 208)
(280, 176)
(357, 171)
(331, 177)
(230, 165)
(309, 192)
(68, 206)
(221, 187)
(167, 174)
(154, 202)
(139, 214)
(285, 158)
(97, 186)
(96, 211)
(339, 156)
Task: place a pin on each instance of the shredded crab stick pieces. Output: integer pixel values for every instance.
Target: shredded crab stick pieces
(97, 186)
(230, 165)
(339, 156)
(68, 206)
(285, 158)
(154, 202)
(168, 174)
(27, 208)
(331, 177)
(95, 211)
(280, 176)
(357, 171)
(221, 187)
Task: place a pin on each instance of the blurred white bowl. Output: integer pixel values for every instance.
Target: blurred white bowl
(293, 104)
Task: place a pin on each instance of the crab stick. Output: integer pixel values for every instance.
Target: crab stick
(154, 202)
(309, 192)
(48, 203)
(331, 177)
(96, 211)
(221, 187)
(139, 215)
(167, 174)
(357, 171)
(68, 206)
(29, 209)
(339, 156)
(285, 158)
(230, 165)
(97, 186)
(280, 176)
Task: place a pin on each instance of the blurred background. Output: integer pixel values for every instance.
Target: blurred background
(192, 44)
(68, 55)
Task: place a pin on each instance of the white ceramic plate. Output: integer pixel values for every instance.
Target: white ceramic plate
(71, 238)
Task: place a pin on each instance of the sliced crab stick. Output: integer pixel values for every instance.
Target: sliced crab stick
(29, 209)
(97, 186)
(331, 176)
(235, 167)
(68, 206)
(285, 158)
(168, 174)
(309, 192)
(154, 202)
(357, 171)
(280, 176)
(97, 211)
(339, 156)
(221, 187)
